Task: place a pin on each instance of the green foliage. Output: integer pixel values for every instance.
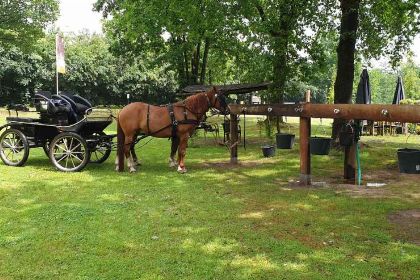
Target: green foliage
(22, 22)
(295, 39)
(387, 27)
(92, 71)
(411, 79)
(382, 85)
(181, 33)
(17, 73)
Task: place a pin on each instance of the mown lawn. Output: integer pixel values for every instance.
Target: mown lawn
(215, 222)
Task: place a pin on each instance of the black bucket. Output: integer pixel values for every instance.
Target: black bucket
(409, 161)
(285, 140)
(268, 150)
(320, 145)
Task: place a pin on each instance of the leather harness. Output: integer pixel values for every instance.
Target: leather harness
(174, 122)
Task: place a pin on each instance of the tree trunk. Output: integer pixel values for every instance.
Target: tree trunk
(280, 70)
(343, 88)
(195, 62)
(204, 64)
(187, 71)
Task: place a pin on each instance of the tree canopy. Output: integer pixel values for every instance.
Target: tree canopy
(153, 48)
(22, 22)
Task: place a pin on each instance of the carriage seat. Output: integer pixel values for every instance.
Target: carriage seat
(77, 103)
(47, 103)
(73, 107)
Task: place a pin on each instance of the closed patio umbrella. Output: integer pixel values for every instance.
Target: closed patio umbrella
(399, 92)
(398, 96)
(363, 95)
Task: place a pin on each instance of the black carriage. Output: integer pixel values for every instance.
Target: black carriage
(68, 128)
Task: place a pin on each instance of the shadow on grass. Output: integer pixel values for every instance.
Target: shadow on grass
(216, 222)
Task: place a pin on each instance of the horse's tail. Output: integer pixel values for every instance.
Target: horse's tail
(120, 146)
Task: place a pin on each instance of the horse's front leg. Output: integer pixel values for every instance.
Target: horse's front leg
(133, 152)
(182, 150)
(174, 148)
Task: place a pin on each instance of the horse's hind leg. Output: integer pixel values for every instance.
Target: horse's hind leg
(127, 152)
(174, 148)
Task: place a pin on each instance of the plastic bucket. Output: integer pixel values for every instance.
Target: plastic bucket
(409, 161)
(285, 140)
(268, 150)
(320, 145)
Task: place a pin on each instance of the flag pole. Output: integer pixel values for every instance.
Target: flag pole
(56, 59)
(57, 81)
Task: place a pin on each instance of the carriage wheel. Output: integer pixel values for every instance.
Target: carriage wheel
(69, 152)
(102, 150)
(14, 148)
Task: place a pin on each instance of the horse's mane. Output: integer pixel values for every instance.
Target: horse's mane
(197, 102)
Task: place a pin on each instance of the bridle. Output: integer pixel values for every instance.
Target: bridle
(222, 101)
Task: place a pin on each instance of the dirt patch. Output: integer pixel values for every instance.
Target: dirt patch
(363, 191)
(406, 225)
(248, 163)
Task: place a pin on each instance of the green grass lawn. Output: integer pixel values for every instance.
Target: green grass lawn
(215, 222)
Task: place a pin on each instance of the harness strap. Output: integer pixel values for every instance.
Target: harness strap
(173, 120)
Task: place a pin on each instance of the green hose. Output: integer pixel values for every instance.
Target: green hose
(359, 168)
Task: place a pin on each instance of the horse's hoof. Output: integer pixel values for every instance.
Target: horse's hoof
(182, 170)
(173, 163)
(132, 170)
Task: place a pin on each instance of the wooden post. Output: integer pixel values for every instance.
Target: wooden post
(233, 138)
(350, 163)
(305, 156)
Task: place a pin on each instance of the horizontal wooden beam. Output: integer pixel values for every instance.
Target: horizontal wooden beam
(291, 110)
(373, 112)
(227, 89)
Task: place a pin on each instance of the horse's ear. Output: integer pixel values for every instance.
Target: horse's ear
(215, 90)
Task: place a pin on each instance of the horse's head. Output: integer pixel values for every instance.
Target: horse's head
(217, 100)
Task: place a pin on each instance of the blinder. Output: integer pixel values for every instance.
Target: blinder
(222, 102)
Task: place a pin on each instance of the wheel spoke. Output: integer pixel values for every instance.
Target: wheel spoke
(65, 144)
(77, 158)
(7, 144)
(10, 151)
(14, 139)
(78, 145)
(62, 158)
(71, 144)
(72, 161)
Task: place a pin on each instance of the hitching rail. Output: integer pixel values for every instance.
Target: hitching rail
(306, 111)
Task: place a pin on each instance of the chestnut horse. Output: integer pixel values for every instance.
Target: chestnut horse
(177, 121)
